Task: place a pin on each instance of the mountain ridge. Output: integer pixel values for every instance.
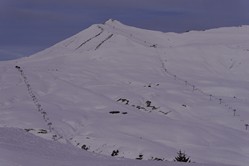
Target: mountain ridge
(153, 93)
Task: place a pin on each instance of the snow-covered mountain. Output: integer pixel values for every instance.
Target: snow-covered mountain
(114, 87)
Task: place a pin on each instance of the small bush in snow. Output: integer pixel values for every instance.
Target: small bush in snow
(84, 147)
(115, 152)
(140, 157)
(148, 103)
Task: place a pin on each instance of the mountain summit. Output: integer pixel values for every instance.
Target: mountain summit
(115, 88)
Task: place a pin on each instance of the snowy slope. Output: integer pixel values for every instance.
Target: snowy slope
(18, 147)
(115, 87)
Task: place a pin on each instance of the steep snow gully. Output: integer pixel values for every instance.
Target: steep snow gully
(101, 31)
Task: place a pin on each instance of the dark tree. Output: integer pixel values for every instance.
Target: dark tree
(181, 157)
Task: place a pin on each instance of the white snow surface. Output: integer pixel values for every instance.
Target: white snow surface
(116, 87)
(19, 148)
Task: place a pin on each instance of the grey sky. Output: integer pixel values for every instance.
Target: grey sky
(27, 26)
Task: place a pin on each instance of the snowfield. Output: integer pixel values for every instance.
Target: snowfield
(115, 87)
(21, 148)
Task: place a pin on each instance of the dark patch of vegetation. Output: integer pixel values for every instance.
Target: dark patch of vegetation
(140, 157)
(148, 103)
(84, 147)
(28, 130)
(151, 85)
(115, 152)
(140, 107)
(126, 101)
(42, 131)
(153, 108)
(153, 45)
(114, 112)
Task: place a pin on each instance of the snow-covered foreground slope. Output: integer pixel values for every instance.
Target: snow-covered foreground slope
(18, 147)
(114, 87)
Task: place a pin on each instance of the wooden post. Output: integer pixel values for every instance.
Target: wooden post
(234, 112)
(246, 126)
